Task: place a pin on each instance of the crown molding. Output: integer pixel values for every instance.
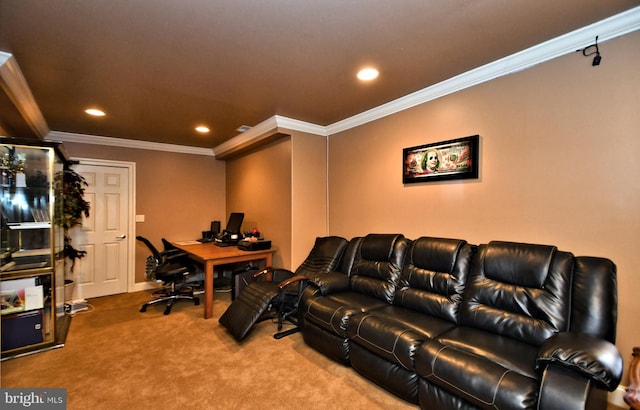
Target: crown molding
(302, 126)
(126, 143)
(265, 131)
(606, 29)
(252, 136)
(14, 84)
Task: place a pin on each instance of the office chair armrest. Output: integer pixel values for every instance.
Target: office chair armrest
(172, 253)
(174, 257)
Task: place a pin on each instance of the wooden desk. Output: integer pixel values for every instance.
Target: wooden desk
(211, 256)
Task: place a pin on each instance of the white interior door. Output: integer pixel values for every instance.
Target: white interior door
(104, 235)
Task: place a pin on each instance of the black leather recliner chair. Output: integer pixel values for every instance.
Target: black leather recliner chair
(368, 281)
(384, 341)
(536, 330)
(279, 295)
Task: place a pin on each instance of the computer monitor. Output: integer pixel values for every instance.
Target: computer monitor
(235, 222)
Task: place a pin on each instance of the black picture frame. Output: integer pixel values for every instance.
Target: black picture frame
(454, 159)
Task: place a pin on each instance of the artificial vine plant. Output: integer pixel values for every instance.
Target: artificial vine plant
(71, 185)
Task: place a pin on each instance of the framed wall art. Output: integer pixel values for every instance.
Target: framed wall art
(440, 161)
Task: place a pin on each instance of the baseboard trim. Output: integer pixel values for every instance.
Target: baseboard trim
(140, 286)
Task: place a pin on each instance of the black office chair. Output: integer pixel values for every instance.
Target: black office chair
(194, 279)
(171, 267)
(278, 298)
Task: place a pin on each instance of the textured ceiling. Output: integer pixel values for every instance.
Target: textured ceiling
(160, 67)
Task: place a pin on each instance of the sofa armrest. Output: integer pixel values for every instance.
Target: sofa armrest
(331, 282)
(273, 274)
(295, 279)
(594, 358)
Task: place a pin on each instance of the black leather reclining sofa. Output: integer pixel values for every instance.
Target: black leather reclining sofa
(448, 325)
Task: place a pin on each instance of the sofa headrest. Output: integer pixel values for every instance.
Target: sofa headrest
(324, 256)
(328, 247)
(378, 247)
(436, 254)
(518, 263)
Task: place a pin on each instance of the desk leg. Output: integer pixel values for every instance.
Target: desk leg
(208, 289)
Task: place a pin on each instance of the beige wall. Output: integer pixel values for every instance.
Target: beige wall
(558, 165)
(282, 189)
(179, 194)
(309, 193)
(259, 184)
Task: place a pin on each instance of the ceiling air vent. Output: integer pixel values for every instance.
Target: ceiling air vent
(243, 128)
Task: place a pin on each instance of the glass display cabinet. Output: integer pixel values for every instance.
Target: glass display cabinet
(31, 244)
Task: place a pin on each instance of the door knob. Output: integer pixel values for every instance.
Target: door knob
(121, 236)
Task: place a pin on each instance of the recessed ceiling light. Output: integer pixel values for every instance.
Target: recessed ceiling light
(368, 74)
(95, 112)
(202, 129)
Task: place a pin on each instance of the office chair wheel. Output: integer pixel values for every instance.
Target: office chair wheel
(196, 301)
(143, 309)
(167, 310)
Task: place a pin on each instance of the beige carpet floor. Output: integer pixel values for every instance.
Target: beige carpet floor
(117, 358)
